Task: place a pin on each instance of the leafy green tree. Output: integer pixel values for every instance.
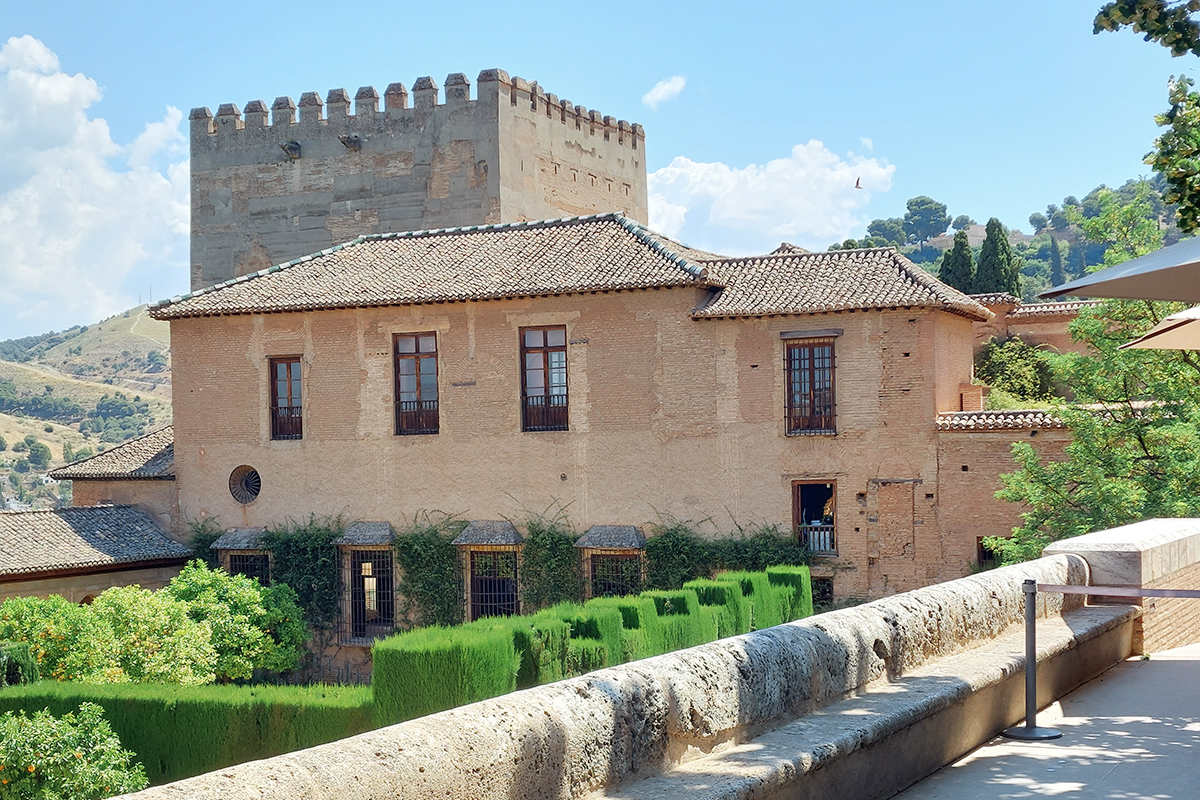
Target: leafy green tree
(1171, 24)
(156, 640)
(67, 640)
(1022, 370)
(958, 266)
(925, 219)
(1076, 262)
(3, 444)
(252, 627)
(1176, 152)
(39, 455)
(1057, 275)
(1127, 228)
(890, 230)
(962, 222)
(75, 757)
(999, 269)
(1038, 221)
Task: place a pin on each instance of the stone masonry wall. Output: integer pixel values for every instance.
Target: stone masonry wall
(513, 153)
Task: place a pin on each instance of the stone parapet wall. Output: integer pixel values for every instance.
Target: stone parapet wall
(589, 734)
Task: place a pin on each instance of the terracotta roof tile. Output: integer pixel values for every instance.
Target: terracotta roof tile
(996, 299)
(147, 457)
(73, 538)
(839, 280)
(579, 254)
(998, 420)
(1057, 309)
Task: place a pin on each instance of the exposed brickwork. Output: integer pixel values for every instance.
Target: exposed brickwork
(1169, 622)
(158, 498)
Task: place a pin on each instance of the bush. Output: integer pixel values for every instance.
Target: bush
(67, 641)
(180, 731)
(77, 756)
(156, 640)
(800, 580)
(770, 603)
(204, 533)
(428, 580)
(681, 622)
(428, 670)
(1020, 369)
(676, 553)
(734, 610)
(252, 627)
(17, 664)
(550, 563)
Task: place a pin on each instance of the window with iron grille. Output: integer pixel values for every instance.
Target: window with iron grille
(544, 378)
(494, 584)
(286, 420)
(371, 611)
(986, 557)
(810, 401)
(616, 574)
(252, 565)
(416, 383)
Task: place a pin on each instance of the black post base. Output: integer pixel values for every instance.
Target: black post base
(1033, 734)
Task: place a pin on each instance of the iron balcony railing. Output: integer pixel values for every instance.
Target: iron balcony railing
(287, 422)
(545, 413)
(416, 416)
(819, 539)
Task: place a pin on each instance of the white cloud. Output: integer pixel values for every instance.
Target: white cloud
(85, 223)
(808, 198)
(664, 90)
(867, 144)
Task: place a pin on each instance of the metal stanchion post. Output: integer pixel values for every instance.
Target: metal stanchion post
(1030, 730)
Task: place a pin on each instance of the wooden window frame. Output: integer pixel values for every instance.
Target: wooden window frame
(424, 417)
(823, 536)
(289, 423)
(545, 411)
(811, 411)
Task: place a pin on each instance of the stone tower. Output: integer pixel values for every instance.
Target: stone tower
(268, 191)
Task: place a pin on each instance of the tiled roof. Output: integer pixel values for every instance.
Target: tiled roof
(74, 538)
(579, 254)
(1057, 309)
(789, 249)
(489, 531)
(240, 539)
(996, 299)
(364, 533)
(613, 537)
(147, 457)
(840, 280)
(997, 420)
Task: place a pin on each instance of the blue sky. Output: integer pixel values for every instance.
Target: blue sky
(995, 109)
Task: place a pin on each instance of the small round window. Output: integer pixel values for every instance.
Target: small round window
(245, 484)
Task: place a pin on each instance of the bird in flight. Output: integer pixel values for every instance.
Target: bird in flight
(858, 183)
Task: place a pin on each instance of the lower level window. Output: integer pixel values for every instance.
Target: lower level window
(616, 575)
(494, 590)
(252, 565)
(372, 598)
(813, 511)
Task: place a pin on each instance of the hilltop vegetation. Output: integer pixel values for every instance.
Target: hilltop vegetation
(71, 394)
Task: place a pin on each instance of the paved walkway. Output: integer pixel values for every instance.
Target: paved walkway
(1131, 734)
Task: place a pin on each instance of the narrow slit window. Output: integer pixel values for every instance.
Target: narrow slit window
(416, 383)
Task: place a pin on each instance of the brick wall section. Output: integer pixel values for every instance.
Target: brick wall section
(513, 153)
(157, 498)
(669, 417)
(79, 588)
(1169, 622)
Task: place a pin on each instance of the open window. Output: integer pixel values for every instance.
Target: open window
(814, 516)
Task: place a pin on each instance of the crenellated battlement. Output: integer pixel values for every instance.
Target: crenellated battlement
(492, 86)
(270, 184)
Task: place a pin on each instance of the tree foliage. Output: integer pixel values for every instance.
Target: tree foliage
(1171, 24)
(958, 266)
(962, 222)
(1176, 154)
(75, 757)
(551, 563)
(1022, 370)
(157, 642)
(999, 268)
(925, 219)
(429, 573)
(890, 230)
(1057, 275)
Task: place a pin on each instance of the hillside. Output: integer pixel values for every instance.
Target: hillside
(75, 393)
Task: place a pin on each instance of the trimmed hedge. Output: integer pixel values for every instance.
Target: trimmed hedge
(17, 664)
(800, 580)
(180, 731)
(432, 669)
(733, 610)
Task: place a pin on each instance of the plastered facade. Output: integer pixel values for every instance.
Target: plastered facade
(506, 152)
(668, 417)
(81, 588)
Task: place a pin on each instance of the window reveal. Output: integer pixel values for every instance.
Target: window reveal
(416, 383)
(286, 420)
(544, 379)
(810, 396)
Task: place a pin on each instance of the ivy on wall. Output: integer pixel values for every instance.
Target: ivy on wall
(552, 572)
(428, 586)
(676, 553)
(303, 556)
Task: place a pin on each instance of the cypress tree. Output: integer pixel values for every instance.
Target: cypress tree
(1057, 276)
(999, 270)
(1076, 262)
(958, 266)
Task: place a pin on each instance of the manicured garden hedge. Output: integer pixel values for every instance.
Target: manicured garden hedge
(179, 731)
(17, 664)
(433, 669)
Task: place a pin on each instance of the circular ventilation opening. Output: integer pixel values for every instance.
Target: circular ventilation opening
(245, 484)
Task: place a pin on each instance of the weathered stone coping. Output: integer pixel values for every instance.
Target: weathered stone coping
(1137, 554)
(582, 735)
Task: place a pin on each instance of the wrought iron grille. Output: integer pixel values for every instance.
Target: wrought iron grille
(287, 423)
(252, 565)
(810, 403)
(372, 606)
(822, 589)
(416, 416)
(546, 413)
(494, 584)
(616, 575)
(819, 539)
